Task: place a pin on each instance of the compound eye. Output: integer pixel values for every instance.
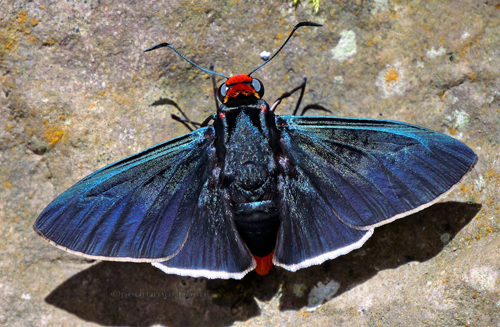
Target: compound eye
(258, 87)
(222, 92)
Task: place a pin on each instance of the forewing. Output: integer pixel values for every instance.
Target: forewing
(362, 173)
(137, 209)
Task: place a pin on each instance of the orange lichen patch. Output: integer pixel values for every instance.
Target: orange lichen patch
(17, 29)
(466, 48)
(22, 16)
(264, 264)
(484, 231)
(464, 188)
(117, 96)
(391, 76)
(34, 21)
(425, 27)
(48, 42)
(7, 184)
(490, 174)
(452, 131)
(54, 135)
(8, 42)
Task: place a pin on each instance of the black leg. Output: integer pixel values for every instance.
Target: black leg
(191, 125)
(302, 88)
(182, 121)
(285, 95)
(314, 106)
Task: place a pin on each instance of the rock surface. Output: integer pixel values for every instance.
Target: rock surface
(77, 93)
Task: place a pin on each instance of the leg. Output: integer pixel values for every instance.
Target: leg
(285, 95)
(191, 125)
(302, 88)
(314, 106)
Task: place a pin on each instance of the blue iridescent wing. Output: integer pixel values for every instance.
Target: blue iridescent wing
(142, 208)
(213, 248)
(344, 177)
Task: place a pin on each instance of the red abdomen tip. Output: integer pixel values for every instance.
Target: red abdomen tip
(264, 264)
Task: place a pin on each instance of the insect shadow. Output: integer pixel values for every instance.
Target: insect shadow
(130, 294)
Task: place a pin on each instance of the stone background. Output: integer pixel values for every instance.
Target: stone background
(77, 93)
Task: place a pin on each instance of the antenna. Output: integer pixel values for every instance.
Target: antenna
(168, 45)
(288, 38)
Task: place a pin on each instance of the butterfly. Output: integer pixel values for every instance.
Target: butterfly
(248, 188)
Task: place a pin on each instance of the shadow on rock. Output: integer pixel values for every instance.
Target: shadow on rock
(418, 237)
(127, 294)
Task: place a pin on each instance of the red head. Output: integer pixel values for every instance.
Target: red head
(239, 87)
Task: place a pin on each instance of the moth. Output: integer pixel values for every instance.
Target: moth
(249, 189)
